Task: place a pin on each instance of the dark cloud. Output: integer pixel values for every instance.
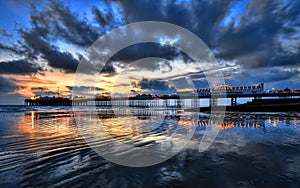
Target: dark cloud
(275, 77)
(201, 17)
(108, 68)
(143, 50)
(36, 42)
(45, 93)
(152, 84)
(151, 64)
(180, 83)
(286, 60)
(39, 88)
(121, 85)
(5, 33)
(84, 88)
(198, 81)
(57, 20)
(147, 56)
(272, 75)
(13, 48)
(265, 35)
(201, 83)
(7, 85)
(102, 18)
(55, 58)
(22, 67)
(259, 41)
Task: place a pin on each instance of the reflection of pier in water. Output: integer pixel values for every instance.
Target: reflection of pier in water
(228, 124)
(201, 121)
(105, 113)
(230, 120)
(259, 121)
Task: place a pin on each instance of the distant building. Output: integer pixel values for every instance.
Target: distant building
(224, 89)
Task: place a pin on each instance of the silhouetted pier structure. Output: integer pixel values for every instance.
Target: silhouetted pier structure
(175, 101)
(185, 99)
(48, 101)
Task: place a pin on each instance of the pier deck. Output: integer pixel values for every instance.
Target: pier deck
(169, 101)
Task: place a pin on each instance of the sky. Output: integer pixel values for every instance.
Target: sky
(43, 42)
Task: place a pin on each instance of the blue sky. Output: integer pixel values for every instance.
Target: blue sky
(41, 42)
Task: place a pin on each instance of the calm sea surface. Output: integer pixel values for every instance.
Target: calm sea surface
(45, 147)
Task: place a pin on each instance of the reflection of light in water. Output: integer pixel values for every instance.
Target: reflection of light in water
(32, 119)
(275, 123)
(225, 126)
(252, 122)
(119, 130)
(46, 122)
(230, 124)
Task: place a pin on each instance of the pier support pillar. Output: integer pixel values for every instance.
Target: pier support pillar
(194, 103)
(182, 102)
(233, 101)
(213, 101)
(255, 98)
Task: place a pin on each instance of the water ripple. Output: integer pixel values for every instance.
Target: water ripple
(45, 149)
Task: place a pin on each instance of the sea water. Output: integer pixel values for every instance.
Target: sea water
(45, 147)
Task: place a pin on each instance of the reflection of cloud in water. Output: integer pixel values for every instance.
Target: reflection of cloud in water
(50, 151)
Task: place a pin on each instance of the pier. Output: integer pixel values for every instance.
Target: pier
(186, 99)
(173, 101)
